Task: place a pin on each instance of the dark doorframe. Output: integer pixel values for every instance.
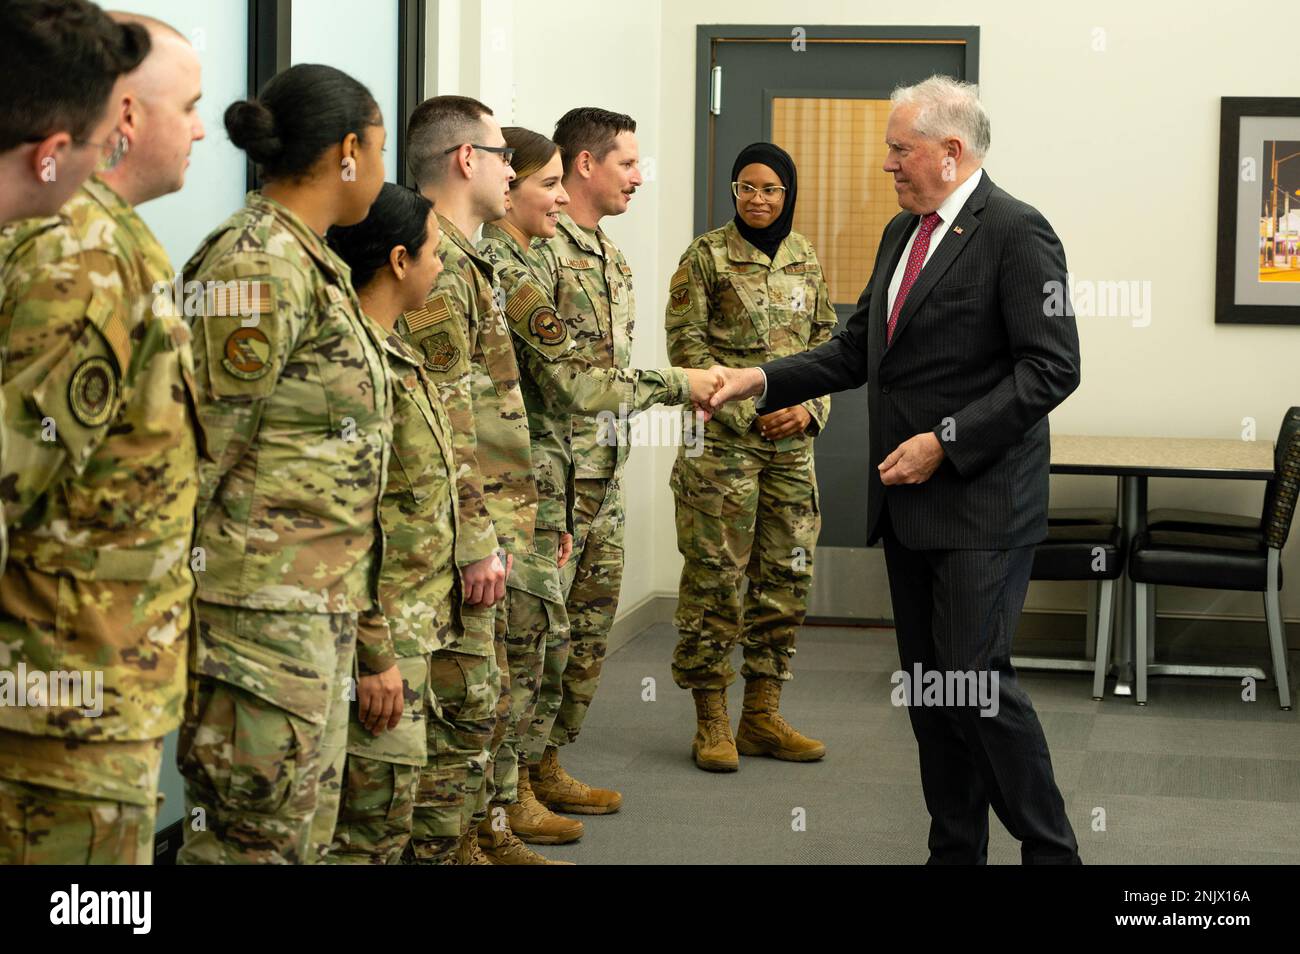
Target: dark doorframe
(269, 32)
(707, 37)
(411, 21)
(270, 29)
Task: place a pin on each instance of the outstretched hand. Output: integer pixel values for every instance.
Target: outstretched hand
(737, 384)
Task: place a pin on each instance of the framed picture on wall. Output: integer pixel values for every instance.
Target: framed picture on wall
(1257, 278)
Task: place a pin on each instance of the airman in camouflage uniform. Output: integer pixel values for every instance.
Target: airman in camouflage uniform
(557, 381)
(99, 486)
(748, 505)
(418, 590)
(295, 399)
(590, 284)
(467, 353)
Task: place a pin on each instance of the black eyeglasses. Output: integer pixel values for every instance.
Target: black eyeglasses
(505, 152)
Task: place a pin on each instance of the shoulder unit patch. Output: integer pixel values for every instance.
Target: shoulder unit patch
(91, 391)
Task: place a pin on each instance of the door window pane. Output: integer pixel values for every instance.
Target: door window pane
(845, 198)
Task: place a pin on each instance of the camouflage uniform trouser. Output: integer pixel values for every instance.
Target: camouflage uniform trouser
(532, 620)
(592, 599)
(268, 780)
(59, 823)
(381, 776)
(464, 692)
(742, 511)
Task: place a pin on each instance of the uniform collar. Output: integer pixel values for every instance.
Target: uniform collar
(313, 243)
(508, 234)
(107, 196)
(393, 343)
(457, 238)
(587, 241)
(740, 249)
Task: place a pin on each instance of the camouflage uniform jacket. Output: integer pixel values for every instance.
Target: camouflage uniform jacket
(100, 470)
(417, 583)
(557, 379)
(729, 304)
(590, 285)
(463, 338)
(295, 401)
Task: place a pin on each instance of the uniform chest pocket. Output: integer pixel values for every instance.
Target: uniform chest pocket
(736, 312)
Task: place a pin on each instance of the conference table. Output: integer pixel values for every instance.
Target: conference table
(1133, 461)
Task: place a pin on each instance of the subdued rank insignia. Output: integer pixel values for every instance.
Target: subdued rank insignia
(679, 292)
(91, 391)
(435, 310)
(247, 354)
(439, 353)
(546, 328)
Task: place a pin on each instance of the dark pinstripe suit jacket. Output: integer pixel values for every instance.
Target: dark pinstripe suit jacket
(974, 345)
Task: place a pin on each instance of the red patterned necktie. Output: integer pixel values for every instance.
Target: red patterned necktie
(914, 263)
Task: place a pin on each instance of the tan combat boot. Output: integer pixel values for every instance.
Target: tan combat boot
(762, 730)
(561, 792)
(468, 851)
(713, 748)
(536, 824)
(503, 847)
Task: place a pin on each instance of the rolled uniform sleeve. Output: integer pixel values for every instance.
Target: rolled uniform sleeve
(569, 383)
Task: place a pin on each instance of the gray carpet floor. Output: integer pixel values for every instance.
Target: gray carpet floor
(1197, 776)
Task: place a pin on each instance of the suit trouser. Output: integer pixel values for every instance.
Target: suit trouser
(956, 611)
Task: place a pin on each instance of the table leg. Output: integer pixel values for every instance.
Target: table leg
(1132, 514)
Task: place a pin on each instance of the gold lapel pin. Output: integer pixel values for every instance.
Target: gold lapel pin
(957, 229)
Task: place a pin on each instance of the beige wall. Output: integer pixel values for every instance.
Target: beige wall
(1110, 145)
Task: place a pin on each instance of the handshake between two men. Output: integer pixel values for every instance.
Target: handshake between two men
(911, 462)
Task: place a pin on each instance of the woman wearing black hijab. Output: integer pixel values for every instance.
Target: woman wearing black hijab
(743, 294)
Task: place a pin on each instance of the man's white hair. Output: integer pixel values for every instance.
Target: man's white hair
(947, 109)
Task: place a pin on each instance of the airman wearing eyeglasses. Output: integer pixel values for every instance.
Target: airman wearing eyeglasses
(100, 478)
(743, 294)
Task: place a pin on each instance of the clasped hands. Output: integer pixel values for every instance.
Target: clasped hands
(706, 386)
(911, 462)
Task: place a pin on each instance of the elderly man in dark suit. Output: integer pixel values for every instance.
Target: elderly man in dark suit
(963, 363)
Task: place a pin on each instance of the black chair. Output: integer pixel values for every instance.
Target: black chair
(1086, 545)
(1223, 552)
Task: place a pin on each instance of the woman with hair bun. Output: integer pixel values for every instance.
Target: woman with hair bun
(294, 400)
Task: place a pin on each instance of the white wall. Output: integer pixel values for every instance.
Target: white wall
(361, 41)
(215, 182)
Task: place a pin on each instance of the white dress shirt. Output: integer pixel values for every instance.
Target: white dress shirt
(947, 213)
